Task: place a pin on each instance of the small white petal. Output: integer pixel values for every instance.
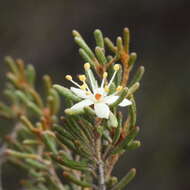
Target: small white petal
(110, 99)
(102, 110)
(99, 91)
(82, 104)
(112, 122)
(125, 102)
(80, 93)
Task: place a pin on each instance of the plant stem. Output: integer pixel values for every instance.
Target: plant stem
(100, 164)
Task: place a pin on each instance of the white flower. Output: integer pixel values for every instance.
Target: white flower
(97, 96)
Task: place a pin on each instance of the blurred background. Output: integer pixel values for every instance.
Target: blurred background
(40, 33)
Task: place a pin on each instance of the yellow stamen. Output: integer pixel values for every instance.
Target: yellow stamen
(105, 75)
(116, 67)
(86, 66)
(68, 77)
(82, 78)
(83, 87)
(119, 88)
(106, 88)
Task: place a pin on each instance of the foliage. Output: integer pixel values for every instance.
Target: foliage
(76, 150)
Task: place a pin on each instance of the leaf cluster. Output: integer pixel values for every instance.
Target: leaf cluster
(71, 150)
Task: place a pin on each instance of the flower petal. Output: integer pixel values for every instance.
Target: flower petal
(99, 91)
(82, 104)
(125, 102)
(102, 110)
(80, 93)
(110, 99)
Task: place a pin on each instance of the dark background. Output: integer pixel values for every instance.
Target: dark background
(40, 33)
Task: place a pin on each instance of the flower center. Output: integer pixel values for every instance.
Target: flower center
(98, 96)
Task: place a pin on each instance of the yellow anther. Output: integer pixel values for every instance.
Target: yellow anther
(105, 75)
(119, 88)
(86, 66)
(83, 87)
(68, 77)
(106, 88)
(116, 67)
(82, 78)
(88, 93)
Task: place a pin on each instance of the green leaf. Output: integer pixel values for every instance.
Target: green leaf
(126, 39)
(132, 59)
(66, 142)
(61, 131)
(99, 38)
(76, 130)
(30, 74)
(47, 83)
(56, 100)
(49, 140)
(76, 34)
(81, 43)
(133, 89)
(125, 180)
(13, 79)
(110, 45)
(100, 129)
(117, 131)
(76, 181)
(36, 164)
(6, 111)
(27, 122)
(119, 43)
(100, 55)
(134, 132)
(132, 113)
(66, 92)
(118, 77)
(86, 57)
(138, 76)
(73, 162)
(32, 106)
(88, 110)
(63, 160)
(133, 145)
(11, 63)
(21, 154)
(74, 112)
(122, 96)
